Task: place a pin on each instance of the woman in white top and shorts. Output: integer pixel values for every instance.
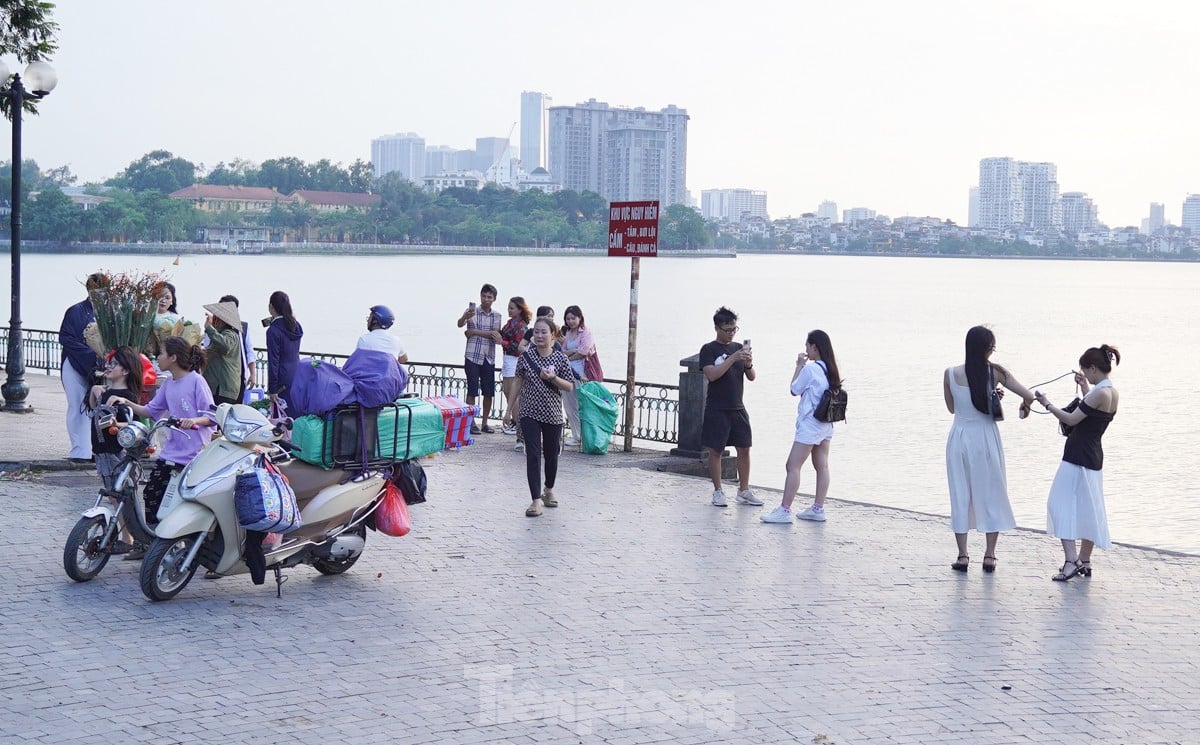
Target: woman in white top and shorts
(816, 370)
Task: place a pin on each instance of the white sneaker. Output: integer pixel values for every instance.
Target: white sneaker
(519, 447)
(509, 429)
(747, 497)
(812, 513)
(718, 498)
(780, 514)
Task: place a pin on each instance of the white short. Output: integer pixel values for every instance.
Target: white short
(510, 366)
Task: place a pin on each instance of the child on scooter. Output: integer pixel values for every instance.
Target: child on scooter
(123, 379)
(187, 397)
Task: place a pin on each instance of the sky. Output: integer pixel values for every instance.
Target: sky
(880, 104)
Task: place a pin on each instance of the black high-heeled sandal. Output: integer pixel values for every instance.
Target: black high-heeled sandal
(1063, 575)
(1085, 568)
(989, 568)
(960, 565)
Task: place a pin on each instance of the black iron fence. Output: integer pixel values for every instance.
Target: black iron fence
(655, 405)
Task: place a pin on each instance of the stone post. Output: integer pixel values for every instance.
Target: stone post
(693, 387)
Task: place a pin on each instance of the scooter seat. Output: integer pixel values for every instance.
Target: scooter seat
(306, 480)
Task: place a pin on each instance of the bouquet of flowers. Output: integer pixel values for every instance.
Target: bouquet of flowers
(125, 305)
(190, 332)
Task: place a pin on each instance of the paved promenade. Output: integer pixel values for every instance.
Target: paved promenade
(633, 613)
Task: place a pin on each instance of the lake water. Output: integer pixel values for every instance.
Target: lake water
(896, 323)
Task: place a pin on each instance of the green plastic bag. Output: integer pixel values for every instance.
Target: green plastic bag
(598, 413)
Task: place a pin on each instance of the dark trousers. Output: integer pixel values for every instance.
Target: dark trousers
(541, 439)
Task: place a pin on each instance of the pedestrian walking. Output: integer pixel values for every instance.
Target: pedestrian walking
(543, 375)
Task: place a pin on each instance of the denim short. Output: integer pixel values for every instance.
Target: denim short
(480, 378)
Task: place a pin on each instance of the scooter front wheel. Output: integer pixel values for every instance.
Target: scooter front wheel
(82, 556)
(162, 574)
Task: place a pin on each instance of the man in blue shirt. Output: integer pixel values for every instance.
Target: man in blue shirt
(78, 364)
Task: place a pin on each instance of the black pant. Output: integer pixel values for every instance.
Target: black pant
(156, 487)
(541, 438)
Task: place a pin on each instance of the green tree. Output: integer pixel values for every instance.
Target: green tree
(158, 170)
(28, 33)
(680, 226)
(239, 172)
(284, 174)
(53, 216)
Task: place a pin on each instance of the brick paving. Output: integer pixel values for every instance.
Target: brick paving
(634, 613)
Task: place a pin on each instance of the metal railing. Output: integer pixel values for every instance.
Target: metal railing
(655, 405)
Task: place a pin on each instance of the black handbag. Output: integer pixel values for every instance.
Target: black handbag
(1063, 427)
(832, 406)
(994, 397)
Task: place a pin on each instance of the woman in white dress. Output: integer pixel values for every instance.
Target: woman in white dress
(816, 370)
(974, 455)
(1075, 508)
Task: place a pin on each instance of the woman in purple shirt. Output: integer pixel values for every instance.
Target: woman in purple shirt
(187, 397)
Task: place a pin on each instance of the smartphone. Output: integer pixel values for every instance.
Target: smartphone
(471, 305)
(746, 343)
(266, 322)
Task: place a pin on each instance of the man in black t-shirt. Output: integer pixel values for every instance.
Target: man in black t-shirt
(725, 363)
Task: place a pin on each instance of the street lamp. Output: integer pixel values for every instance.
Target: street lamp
(40, 79)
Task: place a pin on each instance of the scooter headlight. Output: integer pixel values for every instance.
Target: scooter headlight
(132, 435)
(241, 423)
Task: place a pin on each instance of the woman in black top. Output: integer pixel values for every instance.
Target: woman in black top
(543, 373)
(1075, 508)
(123, 379)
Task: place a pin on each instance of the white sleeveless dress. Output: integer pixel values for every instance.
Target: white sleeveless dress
(975, 468)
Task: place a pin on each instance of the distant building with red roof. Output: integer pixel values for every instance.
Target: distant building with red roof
(336, 201)
(220, 198)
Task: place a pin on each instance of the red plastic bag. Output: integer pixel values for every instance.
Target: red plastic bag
(391, 518)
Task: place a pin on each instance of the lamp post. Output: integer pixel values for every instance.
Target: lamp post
(41, 79)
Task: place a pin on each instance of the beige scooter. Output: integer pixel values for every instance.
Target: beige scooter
(201, 528)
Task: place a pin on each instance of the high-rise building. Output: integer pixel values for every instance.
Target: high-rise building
(1157, 220)
(399, 153)
(973, 207)
(828, 211)
(857, 214)
(733, 205)
(1000, 202)
(622, 154)
(533, 130)
(1191, 214)
(1078, 213)
(442, 159)
(488, 152)
(1039, 190)
(1016, 193)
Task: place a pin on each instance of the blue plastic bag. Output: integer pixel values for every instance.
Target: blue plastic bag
(265, 501)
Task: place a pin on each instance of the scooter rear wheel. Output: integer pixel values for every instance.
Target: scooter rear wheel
(162, 575)
(337, 566)
(82, 557)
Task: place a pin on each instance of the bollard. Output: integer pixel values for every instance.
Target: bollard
(693, 387)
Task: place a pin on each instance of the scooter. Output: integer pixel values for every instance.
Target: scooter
(96, 536)
(201, 529)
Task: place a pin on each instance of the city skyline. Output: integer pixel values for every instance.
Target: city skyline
(887, 107)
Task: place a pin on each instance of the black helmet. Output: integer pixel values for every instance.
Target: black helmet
(381, 317)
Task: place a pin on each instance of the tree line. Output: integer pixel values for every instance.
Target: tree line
(138, 208)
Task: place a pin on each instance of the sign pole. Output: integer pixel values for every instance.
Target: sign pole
(632, 232)
(631, 366)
